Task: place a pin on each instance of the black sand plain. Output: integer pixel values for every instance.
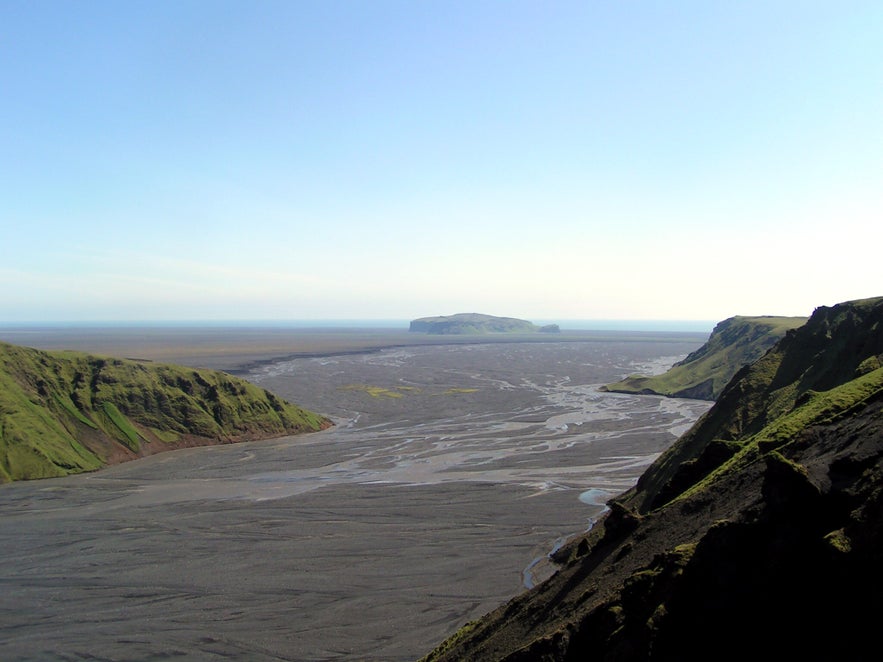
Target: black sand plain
(455, 466)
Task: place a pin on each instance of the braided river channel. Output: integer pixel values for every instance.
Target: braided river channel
(450, 475)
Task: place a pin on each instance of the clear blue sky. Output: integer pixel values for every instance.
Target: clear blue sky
(168, 160)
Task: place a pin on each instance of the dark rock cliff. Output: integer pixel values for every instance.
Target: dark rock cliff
(759, 533)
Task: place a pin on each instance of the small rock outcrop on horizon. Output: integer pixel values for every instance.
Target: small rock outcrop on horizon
(759, 532)
(702, 375)
(67, 412)
(475, 323)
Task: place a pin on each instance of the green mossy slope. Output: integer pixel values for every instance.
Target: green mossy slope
(836, 346)
(759, 532)
(734, 343)
(68, 412)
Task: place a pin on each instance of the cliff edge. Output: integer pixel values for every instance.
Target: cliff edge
(760, 531)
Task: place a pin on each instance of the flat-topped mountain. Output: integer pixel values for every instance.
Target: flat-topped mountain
(759, 530)
(734, 343)
(474, 323)
(67, 412)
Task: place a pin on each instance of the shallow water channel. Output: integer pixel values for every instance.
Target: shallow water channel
(451, 473)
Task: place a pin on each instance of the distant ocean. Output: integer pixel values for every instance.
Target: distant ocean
(565, 325)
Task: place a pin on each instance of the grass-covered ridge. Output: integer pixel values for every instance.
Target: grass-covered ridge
(734, 343)
(68, 412)
(779, 391)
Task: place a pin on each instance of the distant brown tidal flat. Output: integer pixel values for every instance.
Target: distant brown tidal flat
(237, 347)
(453, 469)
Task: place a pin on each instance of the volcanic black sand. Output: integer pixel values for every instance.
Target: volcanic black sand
(452, 471)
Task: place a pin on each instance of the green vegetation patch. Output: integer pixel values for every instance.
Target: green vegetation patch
(377, 391)
(839, 541)
(400, 391)
(451, 642)
(814, 408)
(130, 435)
(167, 436)
(33, 442)
(68, 406)
(819, 408)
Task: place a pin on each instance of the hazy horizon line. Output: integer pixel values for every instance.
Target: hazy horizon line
(575, 324)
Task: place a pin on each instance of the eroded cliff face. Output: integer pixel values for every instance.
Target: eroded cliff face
(68, 412)
(760, 531)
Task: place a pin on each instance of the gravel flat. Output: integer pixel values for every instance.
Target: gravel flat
(451, 472)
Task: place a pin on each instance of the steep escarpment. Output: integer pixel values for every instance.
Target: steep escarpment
(735, 342)
(475, 323)
(67, 412)
(838, 345)
(759, 531)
